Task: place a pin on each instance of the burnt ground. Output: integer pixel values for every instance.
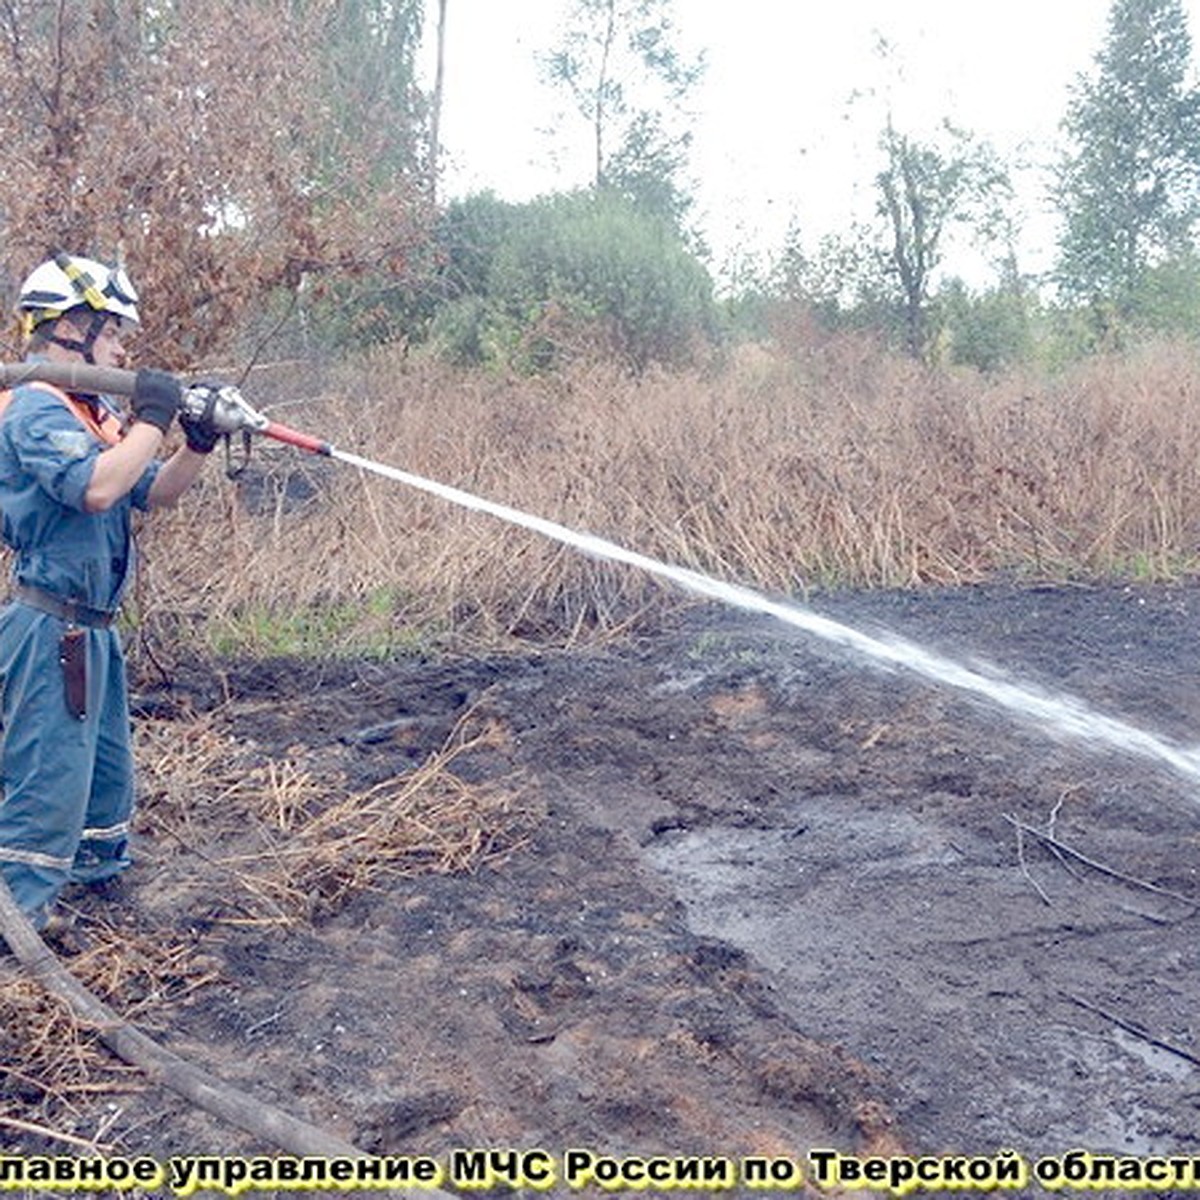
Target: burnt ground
(769, 896)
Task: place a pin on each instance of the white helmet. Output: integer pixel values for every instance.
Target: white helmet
(68, 281)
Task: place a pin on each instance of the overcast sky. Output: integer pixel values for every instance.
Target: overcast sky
(776, 136)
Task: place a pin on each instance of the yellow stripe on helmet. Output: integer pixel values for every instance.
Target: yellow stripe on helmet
(82, 282)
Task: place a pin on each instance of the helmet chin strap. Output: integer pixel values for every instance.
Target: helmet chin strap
(86, 346)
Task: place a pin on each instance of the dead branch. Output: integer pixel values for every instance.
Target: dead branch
(92, 1146)
(1130, 1027)
(1060, 846)
(1037, 887)
(1050, 824)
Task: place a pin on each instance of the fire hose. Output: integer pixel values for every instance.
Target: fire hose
(232, 413)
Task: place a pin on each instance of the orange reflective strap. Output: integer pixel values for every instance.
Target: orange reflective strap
(107, 429)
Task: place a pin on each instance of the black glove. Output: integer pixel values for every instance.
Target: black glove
(196, 418)
(156, 397)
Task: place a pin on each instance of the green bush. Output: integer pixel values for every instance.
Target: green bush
(990, 330)
(533, 285)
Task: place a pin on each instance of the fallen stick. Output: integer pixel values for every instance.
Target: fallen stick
(53, 1135)
(1037, 887)
(374, 734)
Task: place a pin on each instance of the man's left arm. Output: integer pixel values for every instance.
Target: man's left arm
(174, 477)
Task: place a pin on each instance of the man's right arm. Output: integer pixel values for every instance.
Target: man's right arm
(118, 469)
(155, 401)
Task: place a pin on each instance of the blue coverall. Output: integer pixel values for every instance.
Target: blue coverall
(67, 781)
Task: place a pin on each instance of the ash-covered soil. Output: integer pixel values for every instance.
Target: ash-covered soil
(769, 897)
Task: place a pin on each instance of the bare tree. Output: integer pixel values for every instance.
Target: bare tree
(621, 63)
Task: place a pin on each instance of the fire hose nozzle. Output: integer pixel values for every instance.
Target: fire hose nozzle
(223, 407)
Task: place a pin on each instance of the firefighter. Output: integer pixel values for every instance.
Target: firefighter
(72, 470)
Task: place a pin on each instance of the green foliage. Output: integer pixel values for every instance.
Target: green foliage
(1167, 300)
(530, 286)
(843, 283)
(882, 276)
(366, 629)
(646, 170)
(1127, 189)
(1163, 301)
(370, 48)
(471, 232)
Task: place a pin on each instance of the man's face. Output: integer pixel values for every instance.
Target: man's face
(109, 348)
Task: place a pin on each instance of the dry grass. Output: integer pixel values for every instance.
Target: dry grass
(289, 838)
(831, 465)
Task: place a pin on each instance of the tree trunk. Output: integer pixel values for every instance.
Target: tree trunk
(601, 114)
(435, 116)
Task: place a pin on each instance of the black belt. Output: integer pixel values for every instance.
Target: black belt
(66, 610)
